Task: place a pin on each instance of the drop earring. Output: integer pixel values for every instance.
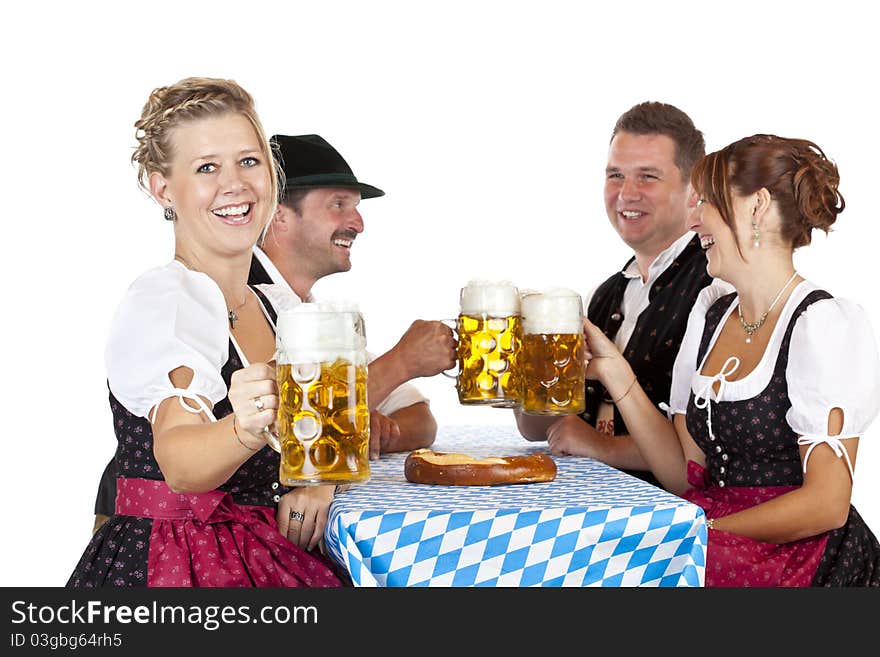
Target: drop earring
(169, 213)
(756, 236)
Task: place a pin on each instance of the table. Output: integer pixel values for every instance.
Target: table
(592, 526)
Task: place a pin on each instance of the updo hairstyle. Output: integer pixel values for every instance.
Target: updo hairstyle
(800, 179)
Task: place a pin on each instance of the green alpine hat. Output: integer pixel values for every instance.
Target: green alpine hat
(309, 161)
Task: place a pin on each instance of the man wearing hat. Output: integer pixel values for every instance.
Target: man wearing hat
(311, 236)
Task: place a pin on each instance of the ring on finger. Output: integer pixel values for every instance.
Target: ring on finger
(297, 515)
(258, 402)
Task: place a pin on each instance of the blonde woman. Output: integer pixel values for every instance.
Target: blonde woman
(191, 390)
(773, 384)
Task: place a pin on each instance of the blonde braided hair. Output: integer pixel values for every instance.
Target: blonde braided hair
(189, 100)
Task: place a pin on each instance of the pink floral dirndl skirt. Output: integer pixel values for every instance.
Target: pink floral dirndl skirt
(734, 560)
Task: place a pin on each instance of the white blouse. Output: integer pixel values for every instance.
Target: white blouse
(174, 317)
(833, 363)
(170, 317)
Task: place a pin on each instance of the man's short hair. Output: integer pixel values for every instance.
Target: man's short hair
(293, 198)
(653, 118)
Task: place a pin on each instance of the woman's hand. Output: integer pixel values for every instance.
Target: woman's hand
(253, 394)
(604, 361)
(302, 514)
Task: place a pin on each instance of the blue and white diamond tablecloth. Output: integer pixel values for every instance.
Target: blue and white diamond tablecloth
(592, 526)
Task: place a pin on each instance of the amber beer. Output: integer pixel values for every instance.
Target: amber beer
(323, 419)
(553, 353)
(489, 343)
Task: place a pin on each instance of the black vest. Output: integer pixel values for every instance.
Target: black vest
(105, 500)
(657, 336)
(258, 273)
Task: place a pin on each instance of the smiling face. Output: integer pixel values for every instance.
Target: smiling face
(219, 183)
(323, 232)
(724, 251)
(646, 197)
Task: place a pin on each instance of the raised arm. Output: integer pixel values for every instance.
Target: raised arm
(427, 348)
(655, 437)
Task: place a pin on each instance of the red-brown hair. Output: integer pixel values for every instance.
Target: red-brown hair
(800, 179)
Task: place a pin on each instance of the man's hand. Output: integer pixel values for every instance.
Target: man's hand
(383, 431)
(427, 348)
(571, 435)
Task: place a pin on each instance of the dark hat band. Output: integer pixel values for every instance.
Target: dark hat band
(322, 178)
(332, 180)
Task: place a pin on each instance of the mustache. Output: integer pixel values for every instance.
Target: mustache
(344, 234)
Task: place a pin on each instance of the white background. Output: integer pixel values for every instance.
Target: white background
(486, 123)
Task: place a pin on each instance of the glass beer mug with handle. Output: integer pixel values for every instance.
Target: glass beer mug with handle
(323, 419)
(489, 341)
(553, 353)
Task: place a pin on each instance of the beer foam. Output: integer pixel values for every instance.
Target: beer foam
(555, 310)
(494, 298)
(320, 332)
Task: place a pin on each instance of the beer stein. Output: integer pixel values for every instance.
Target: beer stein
(323, 420)
(489, 341)
(553, 353)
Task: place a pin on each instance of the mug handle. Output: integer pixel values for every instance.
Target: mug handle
(272, 439)
(453, 324)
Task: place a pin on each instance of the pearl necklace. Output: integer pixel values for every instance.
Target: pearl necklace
(751, 327)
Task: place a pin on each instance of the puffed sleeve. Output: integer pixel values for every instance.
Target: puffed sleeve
(833, 363)
(686, 361)
(170, 317)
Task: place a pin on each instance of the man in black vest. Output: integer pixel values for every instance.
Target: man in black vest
(644, 307)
